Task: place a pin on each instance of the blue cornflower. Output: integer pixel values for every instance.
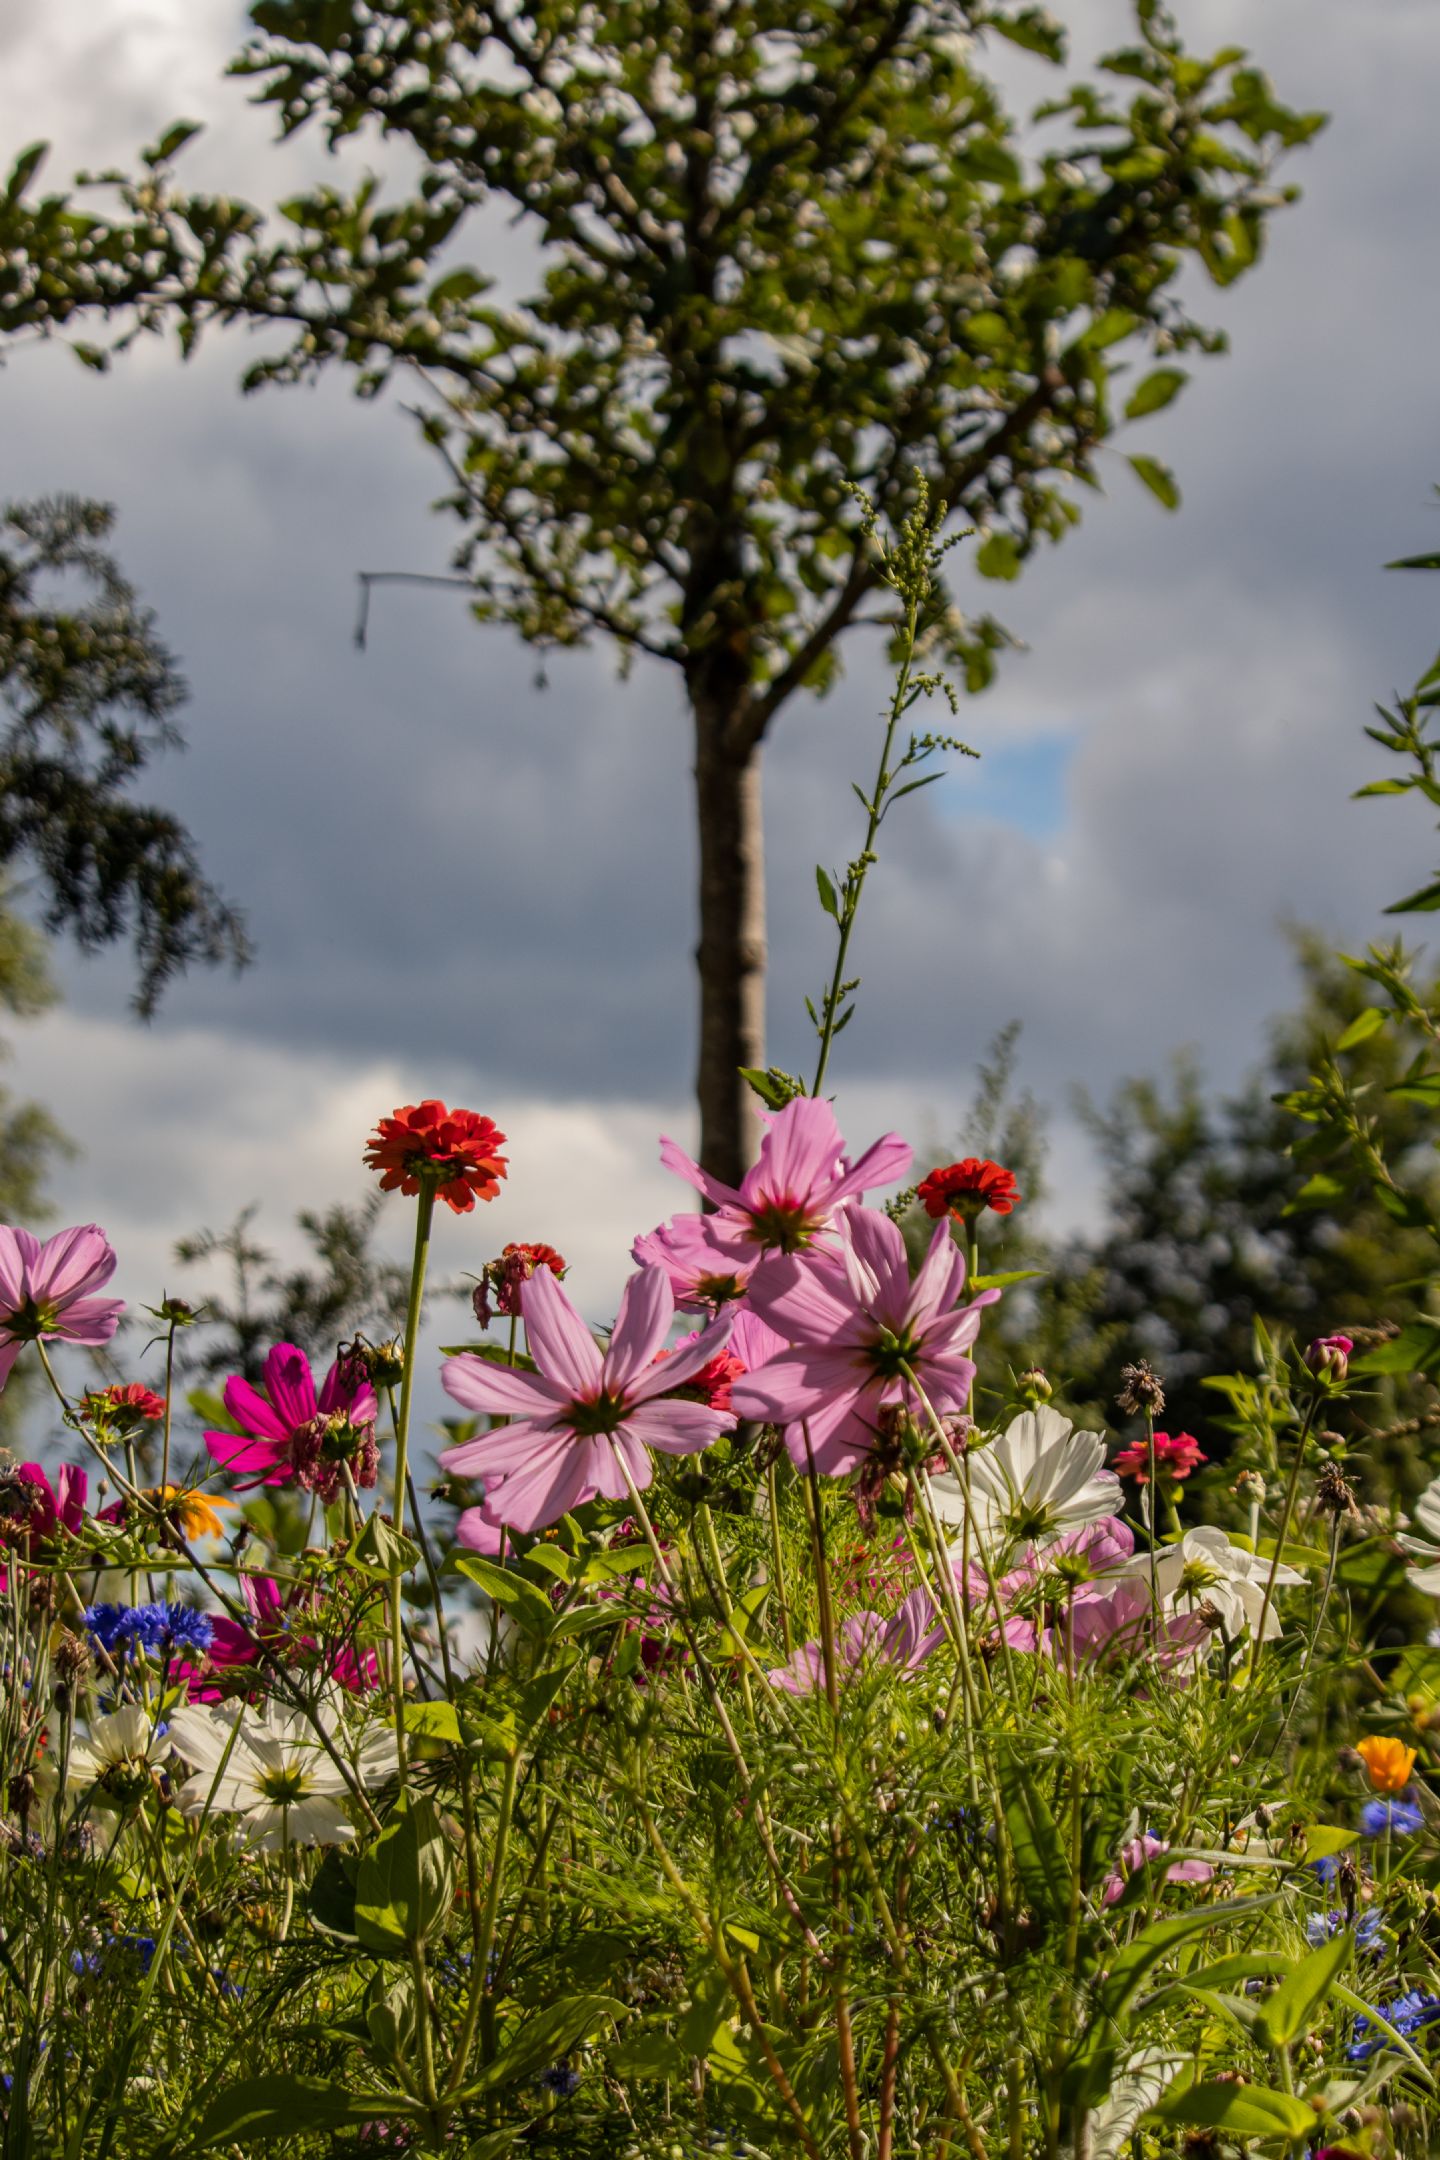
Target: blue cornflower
(1401, 1817)
(158, 1626)
(1321, 1926)
(1408, 2014)
(1326, 1869)
(561, 2080)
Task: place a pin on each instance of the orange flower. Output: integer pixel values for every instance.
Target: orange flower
(1389, 1762)
(194, 1513)
(455, 1152)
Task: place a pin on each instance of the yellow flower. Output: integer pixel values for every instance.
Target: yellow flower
(1389, 1762)
(195, 1514)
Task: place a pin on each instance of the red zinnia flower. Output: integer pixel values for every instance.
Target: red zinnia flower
(130, 1404)
(966, 1189)
(455, 1151)
(1174, 1457)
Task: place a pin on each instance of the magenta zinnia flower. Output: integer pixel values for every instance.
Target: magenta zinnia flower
(581, 1414)
(46, 1291)
(793, 1193)
(853, 1322)
(288, 1411)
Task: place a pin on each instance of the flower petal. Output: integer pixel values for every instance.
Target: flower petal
(249, 1408)
(690, 1358)
(647, 1306)
(290, 1385)
(561, 1344)
(477, 1384)
(676, 1428)
(72, 1264)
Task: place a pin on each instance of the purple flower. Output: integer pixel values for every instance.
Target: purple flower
(858, 1327)
(1401, 1817)
(287, 1412)
(47, 1291)
(581, 1413)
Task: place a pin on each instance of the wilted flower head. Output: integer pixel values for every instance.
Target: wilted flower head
(1334, 1493)
(47, 1291)
(502, 1278)
(1141, 1390)
(454, 1152)
(966, 1189)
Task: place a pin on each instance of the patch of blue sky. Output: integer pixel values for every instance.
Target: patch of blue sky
(1023, 784)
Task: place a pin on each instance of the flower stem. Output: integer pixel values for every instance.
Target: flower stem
(1284, 1531)
(424, 1213)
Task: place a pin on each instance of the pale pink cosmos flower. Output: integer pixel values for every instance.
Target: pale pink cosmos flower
(47, 1291)
(1136, 1853)
(906, 1639)
(855, 1324)
(288, 1408)
(582, 1413)
(703, 1273)
(793, 1194)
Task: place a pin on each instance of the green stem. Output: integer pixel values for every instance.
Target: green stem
(855, 881)
(1284, 1531)
(424, 1213)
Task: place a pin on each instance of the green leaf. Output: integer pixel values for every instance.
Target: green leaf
(774, 1088)
(1003, 1282)
(502, 1586)
(1415, 1349)
(282, 2105)
(828, 900)
(1243, 2110)
(381, 1550)
(23, 171)
(1153, 395)
(1361, 1028)
(1324, 1840)
(1415, 562)
(1040, 1857)
(541, 2040)
(1159, 479)
(1297, 2003)
(433, 1721)
(493, 1353)
(172, 142)
(1423, 902)
(1108, 329)
(998, 556)
(405, 1883)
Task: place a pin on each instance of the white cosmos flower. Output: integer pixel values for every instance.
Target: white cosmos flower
(1426, 1548)
(1205, 1568)
(119, 1759)
(271, 1768)
(1038, 1480)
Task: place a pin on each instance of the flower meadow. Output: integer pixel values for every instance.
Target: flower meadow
(744, 1730)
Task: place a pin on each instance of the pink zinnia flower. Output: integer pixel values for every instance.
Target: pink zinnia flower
(793, 1193)
(852, 1324)
(288, 1411)
(581, 1413)
(46, 1291)
(1176, 1455)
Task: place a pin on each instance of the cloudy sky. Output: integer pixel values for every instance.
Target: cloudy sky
(462, 884)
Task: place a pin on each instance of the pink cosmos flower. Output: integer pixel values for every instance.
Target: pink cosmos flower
(852, 1323)
(288, 1412)
(46, 1291)
(906, 1639)
(32, 1509)
(582, 1413)
(703, 1273)
(274, 1614)
(1136, 1853)
(793, 1193)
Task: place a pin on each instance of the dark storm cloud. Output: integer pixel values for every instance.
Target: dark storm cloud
(444, 862)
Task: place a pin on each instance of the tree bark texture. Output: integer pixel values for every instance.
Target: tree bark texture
(731, 952)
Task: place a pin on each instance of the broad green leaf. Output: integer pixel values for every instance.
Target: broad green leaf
(1040, 1857)
(381, 1549)
(824, 885)
(1415, 1349)
(433, 1721)
(542, 2040)
(503, 1587)
(998, 556)
(1361, 1028)
(1297, 2003)
(1323, 1840)
(1242, 2110)
(405, 1883)
(1155, 393)
(284, 2105)
(1423, 902)
(1159, 479)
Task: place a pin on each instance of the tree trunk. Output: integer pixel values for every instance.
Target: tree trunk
(731, 951)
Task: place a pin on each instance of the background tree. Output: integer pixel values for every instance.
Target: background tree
(781, 249)
(89, 694)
